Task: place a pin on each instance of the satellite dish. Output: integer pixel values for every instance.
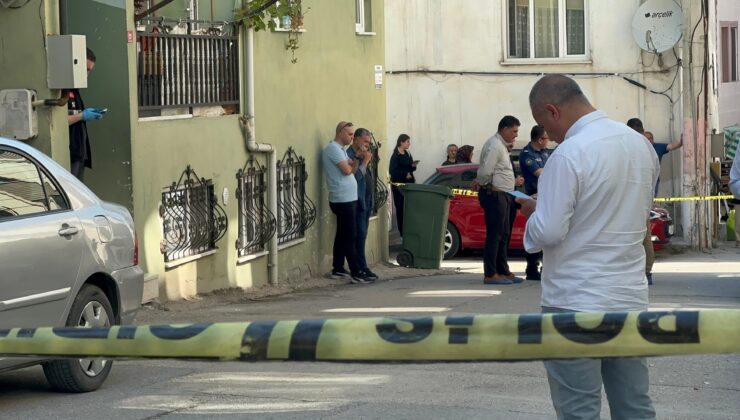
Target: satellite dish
(657, 25)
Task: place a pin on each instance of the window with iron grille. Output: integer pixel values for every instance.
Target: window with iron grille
(381, 189)
(296, 212)
(256, 222)
(187, 67)
(192, 220)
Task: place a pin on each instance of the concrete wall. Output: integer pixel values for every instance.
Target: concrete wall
(455, 36)
(297, 105)
(23, 65)
(729, 93)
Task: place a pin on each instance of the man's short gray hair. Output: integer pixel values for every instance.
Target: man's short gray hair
(555, 89)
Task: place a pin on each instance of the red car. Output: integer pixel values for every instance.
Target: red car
(466, 227)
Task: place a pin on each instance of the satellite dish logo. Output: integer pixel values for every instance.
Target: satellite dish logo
(658, 15)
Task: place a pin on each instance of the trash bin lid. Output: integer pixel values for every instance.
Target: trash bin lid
(437, 189)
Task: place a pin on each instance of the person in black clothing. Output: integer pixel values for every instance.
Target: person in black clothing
(532, 161)
(77, 118)
(451, 155)
(402, 167)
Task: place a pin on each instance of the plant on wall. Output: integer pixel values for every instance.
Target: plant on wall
(274, 14)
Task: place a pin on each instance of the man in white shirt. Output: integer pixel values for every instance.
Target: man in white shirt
(735, 189)
(589, 219)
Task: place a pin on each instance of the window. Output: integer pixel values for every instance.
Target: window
(192, 220)
(25, 189)
(256, 222)
(296, 212)
(559, 29)
(728, 42)
(186, 67)
(364, 17)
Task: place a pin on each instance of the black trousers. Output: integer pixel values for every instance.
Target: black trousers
(77, 167)
(398, 204)
(496, 208)
(533, 260)
(344, 239)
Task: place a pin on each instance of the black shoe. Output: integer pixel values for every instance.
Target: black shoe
(340, 274)
(369, 275)
(360, 278)
(534, 275)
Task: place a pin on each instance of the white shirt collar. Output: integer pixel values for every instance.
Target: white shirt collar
(583, 121)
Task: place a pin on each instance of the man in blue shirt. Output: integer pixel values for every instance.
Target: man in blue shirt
(339, 171)
(660, 148)
(360, 151)
(532, 161)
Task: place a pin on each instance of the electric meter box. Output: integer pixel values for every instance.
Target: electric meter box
(67, 58)
(18, 118)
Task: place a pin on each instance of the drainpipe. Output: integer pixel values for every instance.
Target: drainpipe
(247, 120)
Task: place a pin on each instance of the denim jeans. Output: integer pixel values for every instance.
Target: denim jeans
(363, 220)
(575, 386)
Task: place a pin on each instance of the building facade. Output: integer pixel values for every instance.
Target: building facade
(219, 165)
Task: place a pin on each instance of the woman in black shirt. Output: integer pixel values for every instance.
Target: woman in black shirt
(402, 167)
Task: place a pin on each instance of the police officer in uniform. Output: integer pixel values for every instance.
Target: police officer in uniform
(532, 161)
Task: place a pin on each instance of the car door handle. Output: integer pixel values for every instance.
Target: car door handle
(68, 230)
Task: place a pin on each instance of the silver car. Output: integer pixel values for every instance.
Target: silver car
(66, 259)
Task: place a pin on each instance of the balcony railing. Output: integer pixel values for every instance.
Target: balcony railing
(186, 70)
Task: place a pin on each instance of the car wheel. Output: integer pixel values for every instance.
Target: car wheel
(452, 241)
(91, 308)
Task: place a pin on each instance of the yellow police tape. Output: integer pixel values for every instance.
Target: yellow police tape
(458, 191)
(420, 339)
(694, 198)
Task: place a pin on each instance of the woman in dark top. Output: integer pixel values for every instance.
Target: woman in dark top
(402, 167)
(451, 155)
(464, 154)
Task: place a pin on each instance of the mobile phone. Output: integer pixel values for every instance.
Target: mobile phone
(417, 161)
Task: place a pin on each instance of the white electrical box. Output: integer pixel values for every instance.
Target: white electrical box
(18, 118)
(67, 61)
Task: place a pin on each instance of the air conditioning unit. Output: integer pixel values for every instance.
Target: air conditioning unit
(18, 118)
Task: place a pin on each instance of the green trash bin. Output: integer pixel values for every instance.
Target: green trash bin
(425, 211)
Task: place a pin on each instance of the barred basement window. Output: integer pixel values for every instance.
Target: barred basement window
(256, 223)
(296, 212)
(381, 189)
(192, 219)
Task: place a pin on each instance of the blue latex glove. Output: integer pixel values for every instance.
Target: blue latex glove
(91, 114)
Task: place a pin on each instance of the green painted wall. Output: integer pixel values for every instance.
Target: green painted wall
(104, 24)
(296, 105)
(23, 66)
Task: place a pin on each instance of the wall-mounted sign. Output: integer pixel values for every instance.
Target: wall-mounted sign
(378, 76)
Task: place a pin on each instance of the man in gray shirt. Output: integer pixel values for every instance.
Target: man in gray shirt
(339, 171)
(494, 182)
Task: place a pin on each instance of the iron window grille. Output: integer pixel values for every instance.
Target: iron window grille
(380, 195)
(296, 212)
(192, 219)
(186, 64)
(256, 222)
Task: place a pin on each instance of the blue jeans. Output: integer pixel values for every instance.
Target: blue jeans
(362, 223)
(575, 386)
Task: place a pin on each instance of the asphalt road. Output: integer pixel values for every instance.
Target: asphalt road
(690, 387)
